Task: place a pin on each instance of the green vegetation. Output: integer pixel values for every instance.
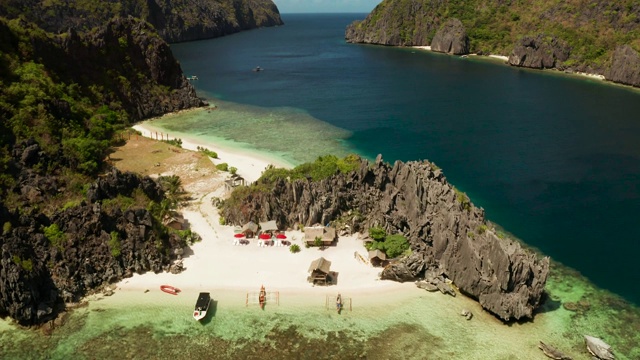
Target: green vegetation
(174, 142)
(114, 244)
(189, 236)
(233, 170)
(26, 264)
(463, 199)
(209, 153)
(317, 241)
(6, 228)
(222, 167)
(392, 245)
(591, 29)
(295, 248)
(55, 236)
(322, 168)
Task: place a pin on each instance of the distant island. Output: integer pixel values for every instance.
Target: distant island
(595, 37)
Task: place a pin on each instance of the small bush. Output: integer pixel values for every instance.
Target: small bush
(6, 228)
(223, 167)
(114, 244)
(295, 248)
(26, 264)
(377, 233)
(317, 241)
(222, 220)
(482, 229)
(55, 236)
(233, 170)
(209, 153)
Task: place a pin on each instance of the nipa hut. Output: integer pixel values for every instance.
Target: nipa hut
(326, 234)
(250, 229)
(377, 258)
(319, 271)
(268, 226)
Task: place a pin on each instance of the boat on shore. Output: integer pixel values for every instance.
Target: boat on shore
(202, 306)
(262, 297)
(257, 68)
(170, 289)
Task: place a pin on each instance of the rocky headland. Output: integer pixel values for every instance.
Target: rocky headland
(51, 260)
(448, 235)
(592, 37)
(174, 21)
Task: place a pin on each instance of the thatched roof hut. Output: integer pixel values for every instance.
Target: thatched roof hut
(377, 258)
(268, 226)
(326, 234)
(319, 271)
(250, 229)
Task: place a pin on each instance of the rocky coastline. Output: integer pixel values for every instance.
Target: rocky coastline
(448, 235)
(540, 46)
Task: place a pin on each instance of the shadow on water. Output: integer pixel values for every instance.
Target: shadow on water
(213, 308)
(549, 304)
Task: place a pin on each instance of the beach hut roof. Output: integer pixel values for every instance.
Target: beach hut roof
(320, 264)
(310, 233)
(250, 226)
(377, 254)
(329, 233)
(268, 225)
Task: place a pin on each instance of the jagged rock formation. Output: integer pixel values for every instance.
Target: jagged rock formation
(539, 52)
(96, 244)
(625, 66)
(175, 21)
(585, 36)
(448, 235)
(451, 38)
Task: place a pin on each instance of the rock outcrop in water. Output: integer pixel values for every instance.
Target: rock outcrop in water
(447, 234)
(539, 52)
(451, 38)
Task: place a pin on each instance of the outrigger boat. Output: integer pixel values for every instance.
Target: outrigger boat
(339, 303)
(262, 297)
(202, 305)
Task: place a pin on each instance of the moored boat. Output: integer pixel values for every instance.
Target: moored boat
(202, 306)
(170, 289)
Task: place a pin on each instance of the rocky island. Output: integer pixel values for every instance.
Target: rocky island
(595, 37)
(447, 234)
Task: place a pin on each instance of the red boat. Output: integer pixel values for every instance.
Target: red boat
(262, 297)
(170, 289)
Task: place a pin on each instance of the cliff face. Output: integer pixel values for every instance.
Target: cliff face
(577, 35)
(447, 233)
(92, 244)
(123, 61)
(175, 21)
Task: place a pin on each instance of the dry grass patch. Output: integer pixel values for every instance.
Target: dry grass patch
(153, 158)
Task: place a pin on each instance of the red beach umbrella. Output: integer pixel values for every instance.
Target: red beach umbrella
(264, 236)
(239, 236)
(281, 236)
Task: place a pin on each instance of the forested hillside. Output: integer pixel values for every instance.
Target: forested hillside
(73, 77)
(595, 36)
(175, 20)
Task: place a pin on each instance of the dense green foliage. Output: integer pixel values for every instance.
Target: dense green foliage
(591, 28)
(392, 245)
(322, 168)
(55, 236)
(209, 153)
(114, 244)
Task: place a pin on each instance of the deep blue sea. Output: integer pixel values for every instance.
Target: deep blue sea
(552, 158)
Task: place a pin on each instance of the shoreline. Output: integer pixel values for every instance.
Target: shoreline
(250, 163)
(505, 59)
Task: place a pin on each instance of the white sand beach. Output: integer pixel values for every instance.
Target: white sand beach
(217, 262)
